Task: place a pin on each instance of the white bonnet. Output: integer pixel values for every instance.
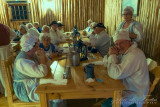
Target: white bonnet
(34, 32)
(44, 26)
(93, 24)
(121, 35)
(44, 35)
(36, 23)
(89, 21)
(29, 25)
(27, 42)
(129, 9)
(23, 26)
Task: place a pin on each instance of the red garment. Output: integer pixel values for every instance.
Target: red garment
(4, 35)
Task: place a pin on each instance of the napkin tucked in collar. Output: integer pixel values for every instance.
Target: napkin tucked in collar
(53, 81)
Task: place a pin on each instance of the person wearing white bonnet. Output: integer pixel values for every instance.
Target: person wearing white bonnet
(92, 25)
(29, 25)
(34, 32)
(28, 68)
(134, 28)
(36, 25)
(45, 29)
(131, 68)
(85, 31)
(50, 49)
(23, 29)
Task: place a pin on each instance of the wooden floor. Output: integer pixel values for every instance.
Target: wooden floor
(71, 103)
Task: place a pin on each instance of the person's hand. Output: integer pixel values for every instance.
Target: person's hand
(93, 33)
(84, 33)
(54, 55)
(113, 50)
(42, 56)
(132, 35)
(40, 52)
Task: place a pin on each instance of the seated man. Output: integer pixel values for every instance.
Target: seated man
(56, 37)
(60, 28)
(47, 46)
(131, 68)
(100, 39)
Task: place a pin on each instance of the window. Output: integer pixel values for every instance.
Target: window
(19, 12)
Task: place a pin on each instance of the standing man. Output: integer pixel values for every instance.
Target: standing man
(131, 68)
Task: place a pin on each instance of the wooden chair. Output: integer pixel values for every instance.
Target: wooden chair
(13, 101)
(154, 70)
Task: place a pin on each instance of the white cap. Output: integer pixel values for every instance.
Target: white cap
(121, 35)
(27, 42)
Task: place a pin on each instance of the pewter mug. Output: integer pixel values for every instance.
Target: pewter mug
(75, 58)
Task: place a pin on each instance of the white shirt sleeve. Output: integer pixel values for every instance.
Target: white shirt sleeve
(120, 71)
(30, 68)
(92, 39)
(138, 29)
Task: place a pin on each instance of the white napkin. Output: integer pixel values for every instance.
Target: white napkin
(57, 70)
(65, 45)
(53, 81)
(89, 80)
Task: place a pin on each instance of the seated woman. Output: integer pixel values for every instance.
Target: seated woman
(45, 29)
(22, 29)
(28, 69)
(85, 31)
(47, 46)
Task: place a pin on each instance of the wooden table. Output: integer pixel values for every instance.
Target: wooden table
(77, 88)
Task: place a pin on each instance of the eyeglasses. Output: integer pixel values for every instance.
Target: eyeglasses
(126, 14)
(120, 43)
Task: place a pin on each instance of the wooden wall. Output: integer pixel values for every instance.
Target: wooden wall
(149, 17)
(70, 12)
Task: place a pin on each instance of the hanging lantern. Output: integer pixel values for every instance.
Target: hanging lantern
(75, 35)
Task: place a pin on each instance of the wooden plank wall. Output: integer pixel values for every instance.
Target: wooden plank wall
(70, 12)
(3, 11)
(149, 17)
